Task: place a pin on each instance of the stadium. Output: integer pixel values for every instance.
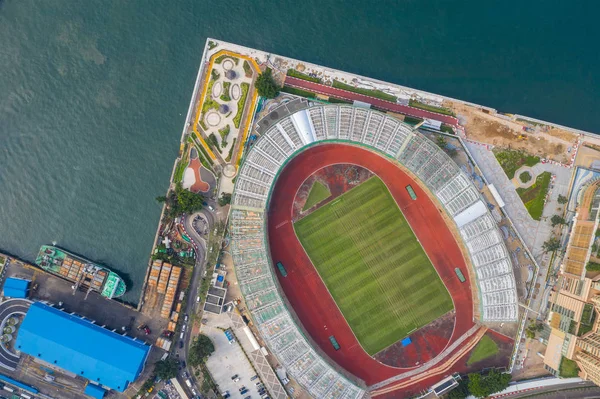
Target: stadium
(351, 301)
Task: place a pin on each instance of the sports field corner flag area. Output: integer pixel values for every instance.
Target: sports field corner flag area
(373, 265)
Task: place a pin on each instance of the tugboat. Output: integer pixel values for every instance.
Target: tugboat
(84, 273)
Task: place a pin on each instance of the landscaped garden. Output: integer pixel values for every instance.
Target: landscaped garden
(568, 368)
(224, 102)
(588, 316)
(512, 160)
(534, 197)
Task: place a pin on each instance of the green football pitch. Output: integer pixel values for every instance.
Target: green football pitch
(373, 265)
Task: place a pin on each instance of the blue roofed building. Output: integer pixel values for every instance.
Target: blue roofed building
(75, 344)
(16, 287)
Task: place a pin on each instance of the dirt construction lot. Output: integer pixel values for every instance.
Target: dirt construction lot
(544, 141)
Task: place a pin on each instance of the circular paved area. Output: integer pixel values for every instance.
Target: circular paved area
(9, 359)
(227, 64)
(217, 89)
(229, 170)
(529, 170)
(213, 118)
(236, 91)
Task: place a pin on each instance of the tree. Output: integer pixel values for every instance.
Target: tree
(483, 386)
(161, 198)
(201, 349)
(441, 141)
(562, 199)
(551, 245)
(461, 391)
(266, 85)
(225, 199)
(188, 201)
(166, 369)
(557, 220)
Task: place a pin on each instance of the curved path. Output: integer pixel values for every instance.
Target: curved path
(8, 359)
(379, 103)
(304, 288)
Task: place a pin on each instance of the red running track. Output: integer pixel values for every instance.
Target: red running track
(303, 286)
(383, 104)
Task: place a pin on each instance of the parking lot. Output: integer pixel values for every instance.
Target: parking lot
(227, 361)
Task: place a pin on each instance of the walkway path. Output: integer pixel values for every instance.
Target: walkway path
(383, 104)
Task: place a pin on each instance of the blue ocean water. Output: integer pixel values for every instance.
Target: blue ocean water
(93, 94)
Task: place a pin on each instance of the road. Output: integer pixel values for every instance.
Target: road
(194, 283)
(9, 359)
(379, 103)
(578, 390)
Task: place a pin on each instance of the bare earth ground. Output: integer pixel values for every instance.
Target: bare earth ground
(551, 143)
(427, 342)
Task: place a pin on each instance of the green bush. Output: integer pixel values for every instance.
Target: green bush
(212, 141)
(298, 92)
(211, 45)
(295, 74)
(412, 121)
(224, 132)
(447, 129)
(240, 105)
(222, 58)
(367, 92)
(225, 93)
(525, 177)
(334, 100)
(248, 69)
(230, 152)
(593, 267)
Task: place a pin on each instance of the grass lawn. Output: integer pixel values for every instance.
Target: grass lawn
(432, 108)
(318, 192)
(368, 92)
(533, 197)
(568, 368)
(373, 265)
(484, 349)
(296, 74)
(511, 160)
